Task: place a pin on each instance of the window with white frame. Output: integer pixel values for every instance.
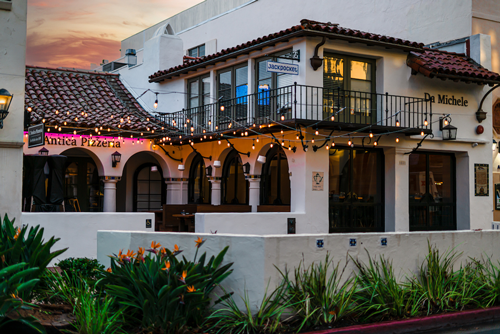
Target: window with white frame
(198, 51)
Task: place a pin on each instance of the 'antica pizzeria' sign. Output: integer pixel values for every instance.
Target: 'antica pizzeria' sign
(84, 141)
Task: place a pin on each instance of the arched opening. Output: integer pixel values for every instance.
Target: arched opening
(83, 187)
(199, 190)
(234, 185)
(275, 180)
(149, 192)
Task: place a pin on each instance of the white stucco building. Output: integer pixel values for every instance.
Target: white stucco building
(12, 62)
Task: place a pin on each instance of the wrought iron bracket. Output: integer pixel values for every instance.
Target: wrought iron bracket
(209, 158)
(315, 147)
(480, 114)
(232, 146)
(168, 154)
(420, 143)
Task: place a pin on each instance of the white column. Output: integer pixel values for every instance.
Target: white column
(397, 213)
(110, 195)
(216, 191)
(177, 191)
(254, 193)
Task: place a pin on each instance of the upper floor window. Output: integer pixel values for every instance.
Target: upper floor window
(232, 91)
(198, 51)
(198, 100)
(356, 78)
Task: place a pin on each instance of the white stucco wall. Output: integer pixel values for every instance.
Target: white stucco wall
(254, 257)
(12, 67)
(78, 231)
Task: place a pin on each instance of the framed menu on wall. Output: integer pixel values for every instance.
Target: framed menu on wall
(481, 180)
(497, 196)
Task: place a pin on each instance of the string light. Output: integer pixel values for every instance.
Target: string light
(332, 118)
(253, 145)
(397, 139)
(316, 132)
(422, 133)
(397, 123)
(327, 147)
(282, 117)
(289, 147)
(446, 122)
(333, 143)
(425, 122)
(257, 139)
(349, 142)
(375, 143)
(370, 135)
(156, 101)
(312, 141)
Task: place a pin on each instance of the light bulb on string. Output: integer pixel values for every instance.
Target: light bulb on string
(289, 147)
(257, 139)
(282, 117)
(397, 123)
(371, 134)
(375, 143)
(446, 122)
(333, 143)
(397, 139)
(327, 147)
(316, 132)
(281, 131)
(349, 142)
(297, 136)
(312, 141)
(425, 122)
(332, 118)
(253, 145)
(228, 145)
(271, 146)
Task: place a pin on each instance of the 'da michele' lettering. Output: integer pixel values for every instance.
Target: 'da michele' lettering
(446, 99)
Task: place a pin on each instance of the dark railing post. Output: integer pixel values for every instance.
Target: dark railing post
(295, 99)
(387, 108)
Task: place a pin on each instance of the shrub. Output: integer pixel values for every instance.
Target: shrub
(489, 277)
(13, 282)
(164, 294)
(319, 298)
(20, 245)
(89, 269)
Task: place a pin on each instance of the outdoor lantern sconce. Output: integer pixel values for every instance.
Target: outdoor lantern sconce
(246, 168)
(43, 151)
(449, 132)
(180, 167)
(5, 100)
(208, 171)
(115, 158)
(495, 145)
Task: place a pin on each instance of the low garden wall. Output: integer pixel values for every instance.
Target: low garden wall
(78, 231)
(255, 256)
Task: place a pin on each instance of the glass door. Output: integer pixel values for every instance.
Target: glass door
(356, 190)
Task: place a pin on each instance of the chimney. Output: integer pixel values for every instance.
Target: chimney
(131, 57)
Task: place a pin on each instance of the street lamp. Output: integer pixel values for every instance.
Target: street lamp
(115, 158)
(5, 100)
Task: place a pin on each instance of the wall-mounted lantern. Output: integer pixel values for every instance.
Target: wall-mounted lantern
(495, 145)
(43, 151)
(115, 158)
(246, 168)
(208, 171)
(5, 100)
(449, 132)
(180, 167)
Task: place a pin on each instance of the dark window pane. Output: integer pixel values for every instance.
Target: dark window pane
(201, 50)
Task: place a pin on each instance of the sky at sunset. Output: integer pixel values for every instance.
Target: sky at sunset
(75, 33)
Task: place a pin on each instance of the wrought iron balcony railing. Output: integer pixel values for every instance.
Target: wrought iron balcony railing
(345, 109)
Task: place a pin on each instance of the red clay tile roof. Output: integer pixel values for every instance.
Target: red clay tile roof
(450, 65)
(306, 28)
(58, 96)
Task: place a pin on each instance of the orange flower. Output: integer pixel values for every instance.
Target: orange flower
(167, 265)
(155, 245)
(191, 288)
(130, 253)
(199, 242)
(163, 251)
(183, 277)
(18, 232)
(176, 250)
(140, 252)
(109, 270)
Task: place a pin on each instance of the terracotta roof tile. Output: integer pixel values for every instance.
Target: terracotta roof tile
(450, 65)
(101, 96)
(305, 27)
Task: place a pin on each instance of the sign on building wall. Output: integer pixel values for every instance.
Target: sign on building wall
(481, 179)
(318, 181)
(36, 135)
(276, 67)
(497, 196)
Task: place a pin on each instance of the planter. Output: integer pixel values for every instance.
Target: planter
(443, 321)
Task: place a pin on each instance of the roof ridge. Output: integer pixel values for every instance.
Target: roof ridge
(71, 70)
(425, 48)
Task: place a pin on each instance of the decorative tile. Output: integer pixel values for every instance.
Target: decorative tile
(383, 241)
(320, 243)
(353, 242)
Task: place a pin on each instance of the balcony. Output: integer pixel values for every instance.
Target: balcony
(297, 105)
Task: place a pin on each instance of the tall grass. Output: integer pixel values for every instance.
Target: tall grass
(379, 294)
(319, 294)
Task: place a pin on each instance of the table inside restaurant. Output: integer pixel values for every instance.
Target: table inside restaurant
(186, 222)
